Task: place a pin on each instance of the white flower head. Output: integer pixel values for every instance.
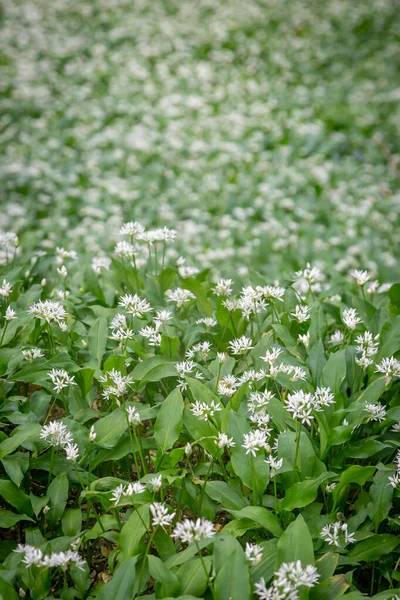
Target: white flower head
(240, 345)
(193, 531)
(253, 553)
(160, 516)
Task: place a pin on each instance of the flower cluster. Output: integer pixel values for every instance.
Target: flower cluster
(289, 579)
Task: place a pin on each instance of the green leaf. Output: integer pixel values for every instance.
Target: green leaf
(22, 434)
(133, 530)
(15, 496)
(154, 369)
(167, 582)
(7, 591)
(169, 420)
(72, 522)
(326, 564)
(354, 474)
(192, 578)
(373, 392)
(58, 496)
(260, 515)
(316, 361)
(334, 371)
(374, 547)
(390, 339)
(381, 497)
(304, 492)
(203, 304)
(203, 432)
(16, 466)
(97, 341)
(123, 585)
(38, 503)
(232, 581)
(330, 589)
(37, 371)
(296, 544)
(109, 429)
(9, 519)
(221, 492)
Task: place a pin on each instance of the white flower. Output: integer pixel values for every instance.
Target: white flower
(101, 262)
(32, 353)
(292, 575)
(389, 367)
(323, 397)
(57, 432)
(330, 487)
(240, 345)
(156, 483)
(300, 404)
(135, 305)
(193, 531)
(134, 488)
(119, 385)
(63, 272)
(92, 434)
(224, 441)
(162, 316)
(376, 412)
(259, 400)
(180, 296)
(310, 274)
(272, 355)
(117, 493)
(304, 339)
(336, 337)
(65, 254)
(350, 318)
(125, 249)
(228, 385)
(48, 311)
(367, 343)
(72, 452)
(223, 287)
(160, 515)
(5, 289)
(301, 313)
(337, 534)
(188, 449)
(361, 277)
(274, 463)
(133, 416)
(207, 321)
(255, 440)
(60, 379)
(253, 553)
(394, 480)
(133, 228)
(204, 411)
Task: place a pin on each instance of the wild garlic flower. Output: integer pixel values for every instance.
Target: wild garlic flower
(204, 411)
(240, 345)
(251, 301)
(134, 488)
(180, 296)
(330, 487)
(151, 334)
(62, 255)
(271, 356)
(134, 305)
(363, 361)
(56, 433)
(271, 293)
(256, 440)
(125, 249)
(259, 400)
(323, 397)
(304, 339)
(301, 313)
(207, 321)
(253, 553)
(133, 229)
(48, 311)
(193, 531)
(156, 483)
(310, 274)
(300, 404)
(361, 277)
(396, 427)
(337, 534)
(350, 318)
(389, 367)
(160, 516)
(63, 272)
(92, 434)
(34, 556)
(72, 452)
(261, 420)
(227, 386)
(230, 304)
(162, 317)
(10, 314)
(275, 464)
(60, 379)
(32, 354)
(101, 262)
(367, 343)
(203, 348)
(188, 449)
(134, 418)
(5, 289)
(394, 480)
(118, 384)
(224, 441)
(336, 337)
(288, 580)
(251, 376)
(117, 494)
(376, 412)
(223, 287)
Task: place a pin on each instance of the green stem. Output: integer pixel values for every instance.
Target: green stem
(145, 558)
(51, 466)
(140, 448)
(256, 499)
(4, 332)
(203, 489)
(133, 446)
(204, 568)
(296, 456)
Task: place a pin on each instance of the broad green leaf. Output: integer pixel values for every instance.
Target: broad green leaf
(221, 492)
(260, 515)
(109, 429)
(304, 492)
(133, 530)
(15, 496)
(334, 371)
(203, 432)
(72, 522)
(167, 582)
(154, 369)
(374, 547)
(373, 392)
(37, 371)
(7, 591)
(9, 519)
(316, 361)
(123, 585)
(330, 589)
(390, 339)
(381, 496)
(97, 341)
(16, 466)
(192, 577)
(194, 286)
(354, 474)
(22, 434)
(326, 565)
(58, 495)
(232, 580)
(296, 544)
(169, 420)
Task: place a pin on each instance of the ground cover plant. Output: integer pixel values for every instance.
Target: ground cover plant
(199, 307)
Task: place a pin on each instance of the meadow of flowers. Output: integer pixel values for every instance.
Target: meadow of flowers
(199, 300)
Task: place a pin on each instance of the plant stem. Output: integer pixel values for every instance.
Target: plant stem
(133, 446)
(145, 558)
(51, 465)
(296, 456)
(204, 567)
(140, 448)
(4, 332)
(203, 489)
